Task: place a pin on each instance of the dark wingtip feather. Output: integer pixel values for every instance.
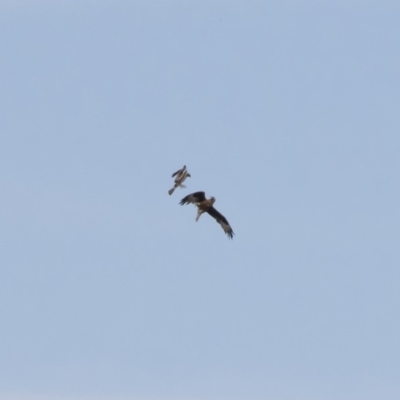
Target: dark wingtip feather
(184, 201)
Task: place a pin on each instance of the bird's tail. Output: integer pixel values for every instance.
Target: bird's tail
(199, 212)
(170, 191)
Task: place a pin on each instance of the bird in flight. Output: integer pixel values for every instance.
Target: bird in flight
(181, 175)
(207, 205)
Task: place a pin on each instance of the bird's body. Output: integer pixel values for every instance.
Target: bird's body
(181, 176)
(207, 205)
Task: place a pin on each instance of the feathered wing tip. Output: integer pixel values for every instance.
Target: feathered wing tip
(230, 233)
(227, 229)
(196, 197)
(222, 221)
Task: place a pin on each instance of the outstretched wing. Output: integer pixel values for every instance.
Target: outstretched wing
(196, 197)
(179, 171)
(222, 221)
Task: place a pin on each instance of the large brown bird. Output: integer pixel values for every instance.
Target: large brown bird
(206, 205)
(181, 175)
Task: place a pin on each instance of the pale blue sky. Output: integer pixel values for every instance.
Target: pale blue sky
(288, 112)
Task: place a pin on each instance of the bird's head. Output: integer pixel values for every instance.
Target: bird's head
(212, 199)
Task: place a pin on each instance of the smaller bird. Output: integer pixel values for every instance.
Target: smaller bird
(181, 175)
(207, 205)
